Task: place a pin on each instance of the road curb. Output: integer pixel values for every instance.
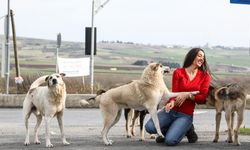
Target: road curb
(72, 101)
(16, 100)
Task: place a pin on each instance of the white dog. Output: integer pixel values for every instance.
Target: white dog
(141, 94)
(45, 101)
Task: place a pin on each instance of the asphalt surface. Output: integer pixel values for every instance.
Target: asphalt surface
(83, 127)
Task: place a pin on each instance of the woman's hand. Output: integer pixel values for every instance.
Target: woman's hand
(169, 106)
(179, 100)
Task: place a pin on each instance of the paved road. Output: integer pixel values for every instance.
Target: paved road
(83, 128)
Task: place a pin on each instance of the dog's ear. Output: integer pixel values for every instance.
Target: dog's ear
(63, 74)
(211, 90)
(210, 97)
(211, 87)
(155, 67)
(47, 78)
(99, 92)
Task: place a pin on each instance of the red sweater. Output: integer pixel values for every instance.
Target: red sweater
(182, 83)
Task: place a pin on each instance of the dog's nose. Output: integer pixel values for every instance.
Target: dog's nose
(54, 81)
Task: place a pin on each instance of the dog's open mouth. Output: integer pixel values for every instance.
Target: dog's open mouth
(166, 70)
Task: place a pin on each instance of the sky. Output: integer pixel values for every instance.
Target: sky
(167, 22)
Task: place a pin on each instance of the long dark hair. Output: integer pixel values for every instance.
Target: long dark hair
(191, 55)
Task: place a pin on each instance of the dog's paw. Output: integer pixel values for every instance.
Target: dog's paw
(37, 142)
(142, 139)
(229, 141)
(109, 143)
(237, 143)
(66, 143)
(152, 136)
(26, 143)
(129, 136)
(49, 145)
(215, 141)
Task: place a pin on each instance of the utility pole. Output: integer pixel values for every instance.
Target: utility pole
(94, 12)
(92, 49)
(7, 53)
(14, 43)
(59, 39)
(18, 78)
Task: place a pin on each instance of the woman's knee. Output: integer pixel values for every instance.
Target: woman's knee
(150, 128)
(172, 139)
(171, 142)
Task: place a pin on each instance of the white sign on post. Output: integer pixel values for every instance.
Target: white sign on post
(74, 67)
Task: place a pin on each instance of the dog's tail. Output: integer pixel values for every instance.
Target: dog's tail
(38, 82)
(91, 100)
(220, 93)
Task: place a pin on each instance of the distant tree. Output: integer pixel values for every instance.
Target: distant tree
(141, 63)
(170, 64)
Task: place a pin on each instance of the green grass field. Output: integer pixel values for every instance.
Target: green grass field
(245, 131)
(235, 57)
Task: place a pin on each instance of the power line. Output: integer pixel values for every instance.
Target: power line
(3, 17)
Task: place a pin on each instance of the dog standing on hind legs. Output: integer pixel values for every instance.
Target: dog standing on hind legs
(231, 99)
(45, 101)
(145, 93)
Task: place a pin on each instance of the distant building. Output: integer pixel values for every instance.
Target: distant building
(208, 46)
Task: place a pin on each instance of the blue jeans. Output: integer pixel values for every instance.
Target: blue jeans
(173, 124)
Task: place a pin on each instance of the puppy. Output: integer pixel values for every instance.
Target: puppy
(141, 94)
(48, 102)
(230, 98)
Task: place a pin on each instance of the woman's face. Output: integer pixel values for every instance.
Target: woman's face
(199, 59)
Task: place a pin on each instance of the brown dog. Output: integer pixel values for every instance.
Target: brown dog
(230, 98)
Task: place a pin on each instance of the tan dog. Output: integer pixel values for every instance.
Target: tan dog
(230, 98)
(141, 94)
(45, 101)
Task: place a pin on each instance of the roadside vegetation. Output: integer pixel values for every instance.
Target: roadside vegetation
(245, 131)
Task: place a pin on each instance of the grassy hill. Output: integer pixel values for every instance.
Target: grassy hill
(40, 51)
(37, 56)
